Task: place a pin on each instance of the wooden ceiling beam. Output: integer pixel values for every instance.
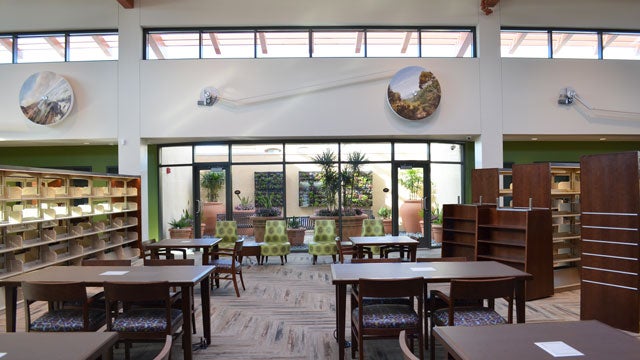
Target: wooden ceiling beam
(465, 43)
(102, 43)
(55, 45)
(405, 43)
(517, 42)
(127, 4)
(155, 47)
(215, 43)
(359, 41)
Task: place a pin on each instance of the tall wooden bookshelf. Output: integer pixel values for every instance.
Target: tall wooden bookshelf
(518, 238)
(490, 185)
(611, 239)
(460, 226)
(555, 186)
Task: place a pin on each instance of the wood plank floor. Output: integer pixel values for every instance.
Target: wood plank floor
(288, 312)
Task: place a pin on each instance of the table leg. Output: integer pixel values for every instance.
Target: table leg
(186, 322)
(10, 299)
(205, 293)
(341, 308)
(520, 301)
(154, 253)
(413, 252)
(359, 252)
(205, 256)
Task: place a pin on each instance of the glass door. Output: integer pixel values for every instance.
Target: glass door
(212, 197)
(412, 201)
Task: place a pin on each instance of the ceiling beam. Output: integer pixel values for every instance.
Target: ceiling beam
(7, 44)
(564, 39)
(517, 42)
(155, 47)
(263, 42)
(215, 43)
(102, 43)
(359, 41)
(405, 43)
(127, 4)
(56, 45)
(465, 41)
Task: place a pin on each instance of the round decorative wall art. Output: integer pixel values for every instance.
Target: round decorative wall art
(46, 98)
(414, 93)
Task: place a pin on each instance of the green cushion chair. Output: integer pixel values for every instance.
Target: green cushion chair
(227, 230)
(276, 242)
(324, 242)
(373, 227)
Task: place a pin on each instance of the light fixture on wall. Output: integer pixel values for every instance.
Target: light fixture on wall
(569, 96)
(208, 96)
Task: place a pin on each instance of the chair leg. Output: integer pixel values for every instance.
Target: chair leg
(281, 260)
(242, 280)
(334, 258)
(315, 258)
(235, 284)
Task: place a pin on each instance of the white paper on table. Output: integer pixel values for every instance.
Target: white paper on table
(427, 268)
(115, 272)
(558, 349)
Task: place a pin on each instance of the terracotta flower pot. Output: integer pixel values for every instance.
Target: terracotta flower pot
(296, 236)
(210, 211)
(410, 215)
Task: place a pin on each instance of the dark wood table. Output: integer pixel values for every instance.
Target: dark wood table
(56, 346)
(348, 274)
(204, 243)
(517, 341)
(186, 277)
(251, 248)
(360, 242)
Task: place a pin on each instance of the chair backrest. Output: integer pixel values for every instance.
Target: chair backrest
(407, 354)
(344, 249)
(391, 288)
(372, 227)
(376, 260)
(168, 262)
(275, 231)
(443, 259)
(106, 262)
(56, 293)
(324, 230)
(227, 230)
(484, 289)
(165, 352)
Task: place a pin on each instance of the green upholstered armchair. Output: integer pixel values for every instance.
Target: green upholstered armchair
(227, 230)
(276, 242)
(373, 227)
(323, 242)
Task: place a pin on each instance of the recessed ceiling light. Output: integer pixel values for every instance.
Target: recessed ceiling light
(534, 139)
(603, 138)
(272, 150)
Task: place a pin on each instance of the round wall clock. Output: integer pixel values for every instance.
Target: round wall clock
(414, 93)
(46, 98)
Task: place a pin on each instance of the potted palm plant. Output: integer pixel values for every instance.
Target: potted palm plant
(212, 182)
(182, 227)
(295, 232)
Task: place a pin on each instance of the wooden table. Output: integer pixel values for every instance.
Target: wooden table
(251, 248)
(517, 341)
(56, 346)
(205, 244)
(361, 242)
(348, 274)
(186, 277)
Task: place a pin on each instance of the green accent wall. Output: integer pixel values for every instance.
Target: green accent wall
(97, 157)
(154, 186)
(526, 152)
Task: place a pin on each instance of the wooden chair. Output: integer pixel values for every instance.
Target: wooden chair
(175, 294)
(167, 253)
(228, 265)
(347, 248)
(78, 316)
(165, 352)
(430, 304)
(136, 323)
(472, 290)
(407, 354)
(386, 320)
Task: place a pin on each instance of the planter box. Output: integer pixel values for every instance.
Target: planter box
(296, 236)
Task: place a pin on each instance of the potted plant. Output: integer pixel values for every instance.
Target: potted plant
(385, 213)
(181, 228)
(295, 232)
(412, 180)
(436, 225)
(264, 211)
(242, 213)
(212, 182)
(331, 182)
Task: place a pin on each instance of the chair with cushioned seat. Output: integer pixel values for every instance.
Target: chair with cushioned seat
(468, 291)
(138, 323)
(228, 266)
(407, 354)
(373, 227)
(323, 242)
(60, 317)
(276, 242)
(386, 320)
(227, 230)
